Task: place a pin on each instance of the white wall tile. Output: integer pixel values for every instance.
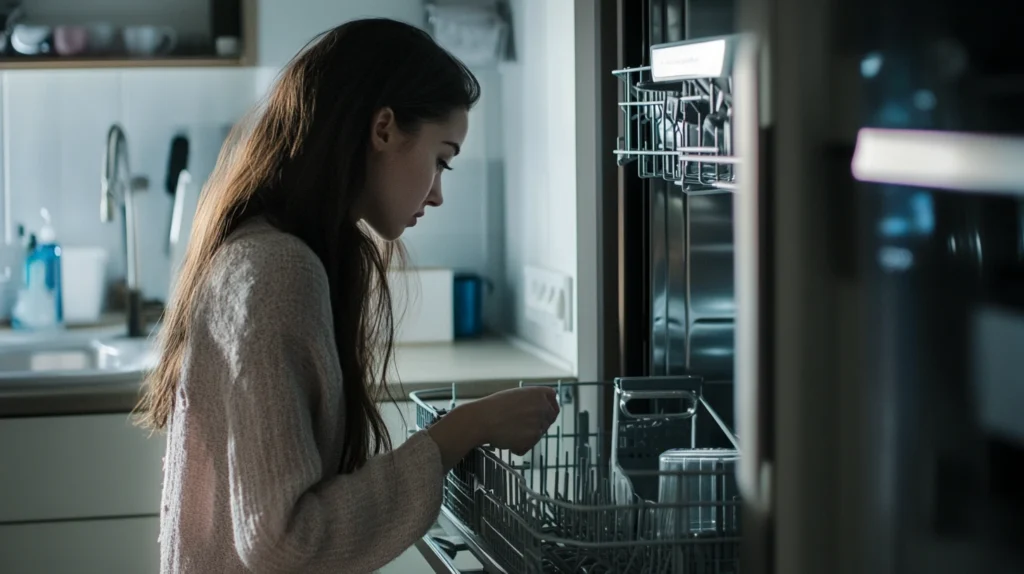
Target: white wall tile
(190, 95)
(34, 128)
(89, 103)
(58, 128)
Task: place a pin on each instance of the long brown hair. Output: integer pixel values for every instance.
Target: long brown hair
(300, 162)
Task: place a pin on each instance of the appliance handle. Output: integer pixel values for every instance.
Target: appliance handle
(751, 111)
(626, 396)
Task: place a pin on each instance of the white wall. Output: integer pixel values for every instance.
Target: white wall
(540, 157)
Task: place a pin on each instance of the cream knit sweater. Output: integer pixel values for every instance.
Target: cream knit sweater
(254, 443)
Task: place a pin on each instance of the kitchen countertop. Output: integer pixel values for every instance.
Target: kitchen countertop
(491, 364)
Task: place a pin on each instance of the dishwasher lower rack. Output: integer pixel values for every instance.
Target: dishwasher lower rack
(578, 502)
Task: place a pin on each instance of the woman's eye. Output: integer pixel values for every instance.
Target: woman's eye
(443, 165)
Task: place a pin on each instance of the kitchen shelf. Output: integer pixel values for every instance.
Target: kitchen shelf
(247, 56)
(99, 63)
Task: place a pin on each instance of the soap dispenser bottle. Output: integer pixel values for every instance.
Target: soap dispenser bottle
(39, 303)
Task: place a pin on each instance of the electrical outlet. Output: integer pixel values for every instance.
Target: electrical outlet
(548, 298)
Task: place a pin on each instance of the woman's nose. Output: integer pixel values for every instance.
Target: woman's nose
(435, 198)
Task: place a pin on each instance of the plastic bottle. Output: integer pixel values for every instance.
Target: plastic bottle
(39, 303)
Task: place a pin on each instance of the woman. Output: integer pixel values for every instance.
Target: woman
(276, 345)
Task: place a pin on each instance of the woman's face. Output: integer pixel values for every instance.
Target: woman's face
(404, 170)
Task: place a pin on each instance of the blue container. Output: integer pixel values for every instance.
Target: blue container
(468, 291)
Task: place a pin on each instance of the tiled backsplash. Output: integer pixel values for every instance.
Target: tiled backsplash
(56, 134)
(57, 126)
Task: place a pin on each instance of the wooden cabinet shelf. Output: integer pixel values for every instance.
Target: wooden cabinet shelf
(195, 50)
(99, 63)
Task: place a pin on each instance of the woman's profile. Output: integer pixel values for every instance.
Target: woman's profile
(275, 347)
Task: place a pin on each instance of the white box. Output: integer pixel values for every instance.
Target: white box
(422, 303)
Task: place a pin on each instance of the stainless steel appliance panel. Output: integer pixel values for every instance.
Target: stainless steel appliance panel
(711, 349)
(664, 305)
(710, 255)
(680, 313)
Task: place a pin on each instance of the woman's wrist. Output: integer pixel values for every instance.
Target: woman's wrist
(477, 421)
(460, 431)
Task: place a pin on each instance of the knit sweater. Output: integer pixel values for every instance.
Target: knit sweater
(251, 479)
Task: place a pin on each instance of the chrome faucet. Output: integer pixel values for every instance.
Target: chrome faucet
(118, 186)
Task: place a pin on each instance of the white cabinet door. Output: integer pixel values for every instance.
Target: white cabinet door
(116, 546)
(88, 466)
(283, 28)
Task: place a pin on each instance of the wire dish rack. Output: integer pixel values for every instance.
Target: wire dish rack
(677, 120)
(586, 502)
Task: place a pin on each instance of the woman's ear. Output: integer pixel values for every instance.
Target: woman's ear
(383, 129)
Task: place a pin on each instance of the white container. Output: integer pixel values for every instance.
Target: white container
(423, 306)
(84, 279)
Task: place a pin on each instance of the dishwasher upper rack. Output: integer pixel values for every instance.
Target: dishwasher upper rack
(553, 511)
(680, 129)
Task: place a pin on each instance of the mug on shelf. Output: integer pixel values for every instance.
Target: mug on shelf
(70, 40)
(149, 40)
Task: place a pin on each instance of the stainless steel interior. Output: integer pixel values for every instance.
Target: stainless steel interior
(692, 285)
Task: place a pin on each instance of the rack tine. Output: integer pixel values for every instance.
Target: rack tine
(558, 464)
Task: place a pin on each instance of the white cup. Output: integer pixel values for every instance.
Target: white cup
(102, 37)
(227, 46)
(149, 40)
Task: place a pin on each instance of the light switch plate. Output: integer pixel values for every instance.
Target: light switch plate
(548, 298)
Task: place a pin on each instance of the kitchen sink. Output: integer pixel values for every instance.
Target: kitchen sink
(72, 357)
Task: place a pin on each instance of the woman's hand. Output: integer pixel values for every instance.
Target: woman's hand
(517, 418)
(514, 419)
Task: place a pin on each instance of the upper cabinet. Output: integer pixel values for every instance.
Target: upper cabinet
(53, 34)
(284, 27)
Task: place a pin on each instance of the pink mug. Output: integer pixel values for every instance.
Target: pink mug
(70, 40)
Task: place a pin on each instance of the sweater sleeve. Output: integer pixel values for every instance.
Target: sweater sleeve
(271, 329)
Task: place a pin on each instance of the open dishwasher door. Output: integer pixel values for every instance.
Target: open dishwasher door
(880, 257)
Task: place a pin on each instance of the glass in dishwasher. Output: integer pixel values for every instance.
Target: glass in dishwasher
(693, 488)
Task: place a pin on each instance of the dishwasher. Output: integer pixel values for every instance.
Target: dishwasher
(649, 496)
